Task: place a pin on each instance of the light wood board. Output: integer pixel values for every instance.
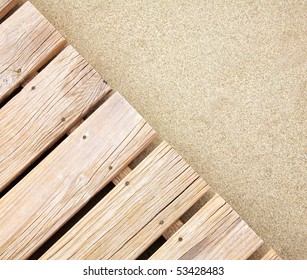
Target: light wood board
(214, 232)
(136, 212)
(271, 255)
(27, 42)
(6, 6)
(73, 173)
(173, 228)
(45, 110)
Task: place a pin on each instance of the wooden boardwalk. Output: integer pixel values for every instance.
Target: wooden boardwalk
(65, 136)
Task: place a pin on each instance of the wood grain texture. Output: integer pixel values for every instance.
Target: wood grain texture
(6, 6)
(136, 212)
(173, 228)
(271, 255)
(215, 232)
(73, 173)
(27, 42)
(45, 110)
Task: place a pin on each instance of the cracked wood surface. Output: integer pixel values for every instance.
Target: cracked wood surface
(173, 228)
(136, 212)
(74, 172)
(45, 110)
(6, 6)
(215, 232)
(28, 41)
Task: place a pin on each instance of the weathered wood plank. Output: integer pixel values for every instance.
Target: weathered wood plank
(136, 212)
(27, 42)
(215, 232)
(6, 6)
(45, 110)
(271, 255)
(173, 228)
(73, 173)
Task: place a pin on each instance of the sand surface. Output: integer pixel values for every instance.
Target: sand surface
(224, 82)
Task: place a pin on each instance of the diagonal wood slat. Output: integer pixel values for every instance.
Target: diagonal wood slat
(45, 110)
(27, 42)
(173, 228)
(136, 212)
(271, 255)
(6, 6)
(73, 173)
(215, 232)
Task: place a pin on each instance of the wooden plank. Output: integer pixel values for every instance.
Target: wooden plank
(173, 228)
(45, 110)
(73, 173)
(168, 232)
(6, 6)
(271, 255)
(27, 42)
(136, 212)
(215, 232)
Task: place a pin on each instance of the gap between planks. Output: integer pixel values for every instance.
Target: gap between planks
(215, 232)
(136, 212)
(30, 43)
(46, 108)
(6, 6)
(167, 234)
(73, 173)
(121, 176)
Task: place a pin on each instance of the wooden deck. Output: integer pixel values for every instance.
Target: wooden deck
(65, 136)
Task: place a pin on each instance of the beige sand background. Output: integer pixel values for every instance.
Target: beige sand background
(224, 82)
